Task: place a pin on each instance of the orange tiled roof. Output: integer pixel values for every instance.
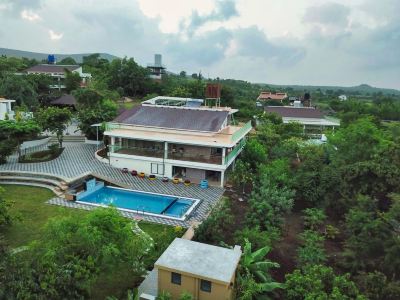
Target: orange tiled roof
(272, 96)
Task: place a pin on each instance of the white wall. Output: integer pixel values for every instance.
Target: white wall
(140, 165)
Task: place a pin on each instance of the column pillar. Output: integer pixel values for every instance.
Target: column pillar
(222, 178)
(165, 150)
(223, 155)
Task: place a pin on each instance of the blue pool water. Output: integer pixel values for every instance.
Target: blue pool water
(137, 201)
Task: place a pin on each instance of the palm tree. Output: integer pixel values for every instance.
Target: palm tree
(254, 280)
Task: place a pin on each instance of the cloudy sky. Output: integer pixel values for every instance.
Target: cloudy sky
(316, 42)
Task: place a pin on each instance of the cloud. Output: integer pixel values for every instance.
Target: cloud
(30, 16)
(55, 36)
(224, 10)
(16, 6)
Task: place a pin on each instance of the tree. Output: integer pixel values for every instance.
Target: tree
(312, 251)
(18, 131)
(55, 120)
(253, 275)
(268, 204)
(104, 112)
(87, 98)
(241, 174)
(254, 154)
(73, 250)
(183, 74)
(20, 89)
(320, 282)
(67, 61)
(72, 80)
(126, 73)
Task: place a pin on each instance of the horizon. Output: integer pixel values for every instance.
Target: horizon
(356, 41)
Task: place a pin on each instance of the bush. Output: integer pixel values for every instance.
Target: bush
(312, 251)
(313, 218)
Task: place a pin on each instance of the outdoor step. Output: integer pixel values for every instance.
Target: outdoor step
(33, 179)
(69, 139)
(32, 175)
(50, 187)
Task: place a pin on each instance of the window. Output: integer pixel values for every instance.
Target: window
(205, 286)
(176, 278)
(157, 169)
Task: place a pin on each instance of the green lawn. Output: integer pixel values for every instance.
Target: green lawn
(30, 205)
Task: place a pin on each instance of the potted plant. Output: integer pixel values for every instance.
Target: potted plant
(134, 173)
(187, 182)
(165, 179)
(142, 175)
(152, 177)
(175, 180)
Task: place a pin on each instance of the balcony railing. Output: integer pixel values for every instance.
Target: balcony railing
(148, 152)
(235, 150)
(238, 134)
(215, 159)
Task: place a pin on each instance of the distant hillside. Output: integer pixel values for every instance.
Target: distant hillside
(39, 56)
(363, 89)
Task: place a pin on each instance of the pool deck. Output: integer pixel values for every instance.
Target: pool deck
(78, 160)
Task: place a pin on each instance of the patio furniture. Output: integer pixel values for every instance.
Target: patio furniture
(204, 184)
(165, 179)
(152, 177)
(125, 170)
(142, 175)
(134, 173)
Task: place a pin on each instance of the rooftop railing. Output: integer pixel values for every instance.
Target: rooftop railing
(235, 150)
(241, 132)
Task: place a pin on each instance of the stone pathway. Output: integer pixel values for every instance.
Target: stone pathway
(78, 160)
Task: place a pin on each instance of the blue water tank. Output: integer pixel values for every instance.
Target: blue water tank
(51, 59)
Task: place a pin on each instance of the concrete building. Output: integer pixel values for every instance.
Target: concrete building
(58, 73)
(342, 97)
(156, 68)
(312, 119)
(176, 138)
(6, 111)
(268, 96)
(206, 272)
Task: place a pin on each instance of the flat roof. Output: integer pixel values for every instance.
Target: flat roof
(312, 121)
(201, 260)
(174, 118)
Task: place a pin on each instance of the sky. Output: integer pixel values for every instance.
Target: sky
(307, 42)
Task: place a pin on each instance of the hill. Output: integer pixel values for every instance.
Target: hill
(39, 56)
(362, 89)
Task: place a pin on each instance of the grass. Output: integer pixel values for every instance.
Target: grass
(29, 204)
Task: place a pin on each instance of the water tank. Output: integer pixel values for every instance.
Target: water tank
(51, 59)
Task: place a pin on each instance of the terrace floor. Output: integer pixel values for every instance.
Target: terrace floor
(77, 160)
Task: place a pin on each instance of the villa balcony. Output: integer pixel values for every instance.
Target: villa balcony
(138, 151)
(215, 159)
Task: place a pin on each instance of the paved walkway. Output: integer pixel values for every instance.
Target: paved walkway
(78, 160)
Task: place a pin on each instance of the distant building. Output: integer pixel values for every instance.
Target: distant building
(265, 96)
(313, 120)
(156, 68)
(58, 73)
(342, 97)
(65, 101)
(6, 111)
(204, 271)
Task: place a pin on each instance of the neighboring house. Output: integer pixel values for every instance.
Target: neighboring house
(187, 142)
(6, 109)
(342, 97)
(58, 73)
(156, 68)
(266, 96)
(65, 101)
(312, 119)
(206, 272)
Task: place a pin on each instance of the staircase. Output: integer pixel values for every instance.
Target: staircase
(69, 139)
(54, 183)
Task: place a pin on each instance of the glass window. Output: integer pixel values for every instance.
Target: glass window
(176, 278)
(205, 286)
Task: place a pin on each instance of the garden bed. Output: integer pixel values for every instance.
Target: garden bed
(41, 156)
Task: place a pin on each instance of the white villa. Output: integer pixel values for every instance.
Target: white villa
(176, 137)
(6, 109)
(58, 73)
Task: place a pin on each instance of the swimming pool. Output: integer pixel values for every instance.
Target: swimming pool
(141, 202)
